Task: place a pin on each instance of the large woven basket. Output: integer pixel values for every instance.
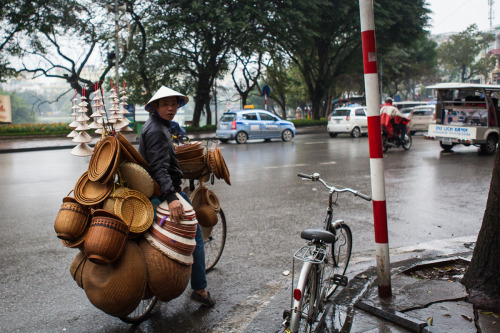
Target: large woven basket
(118, 288)
(71, 221)
(106, 237)
(76, 267)
(167, 279)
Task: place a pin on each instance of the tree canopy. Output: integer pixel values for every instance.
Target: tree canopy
(458, 55)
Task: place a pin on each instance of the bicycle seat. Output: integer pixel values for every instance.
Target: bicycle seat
(317, 234)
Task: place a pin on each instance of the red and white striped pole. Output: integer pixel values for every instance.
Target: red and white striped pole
(375, 143)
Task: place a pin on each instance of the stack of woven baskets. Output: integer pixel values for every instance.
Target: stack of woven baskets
(108, 219)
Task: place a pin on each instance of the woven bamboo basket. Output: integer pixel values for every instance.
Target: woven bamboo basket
(102, 159)
(71, 220)
(167, 279)
(106, 237)
(192, 170)
(134, 206)
(117, 289)
(186, 155)
(206, 216)
(89, 192)
(130, 149)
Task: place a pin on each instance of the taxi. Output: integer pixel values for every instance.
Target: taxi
(249, 124)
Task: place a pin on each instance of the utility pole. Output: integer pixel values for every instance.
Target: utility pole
(117, 9)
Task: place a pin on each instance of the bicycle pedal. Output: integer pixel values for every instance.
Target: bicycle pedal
(340, 280)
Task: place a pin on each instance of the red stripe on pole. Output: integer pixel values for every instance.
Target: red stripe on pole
(380, 222)
(375, 135)
(369, 51)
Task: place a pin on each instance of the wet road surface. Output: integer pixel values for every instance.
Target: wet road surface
(431, 195)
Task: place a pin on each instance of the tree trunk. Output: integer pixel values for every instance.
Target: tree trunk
(482, 278)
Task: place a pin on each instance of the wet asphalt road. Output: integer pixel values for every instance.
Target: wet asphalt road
(431, 195)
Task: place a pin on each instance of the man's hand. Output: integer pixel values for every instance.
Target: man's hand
(176, 211)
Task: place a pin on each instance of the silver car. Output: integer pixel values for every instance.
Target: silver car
(251, 124)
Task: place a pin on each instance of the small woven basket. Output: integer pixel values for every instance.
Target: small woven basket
(71, 220)
(206, 216)
(106, 237)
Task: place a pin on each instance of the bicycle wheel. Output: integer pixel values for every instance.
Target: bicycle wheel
(307, 310)
(214, 239)
(337, 258)
(141, 312)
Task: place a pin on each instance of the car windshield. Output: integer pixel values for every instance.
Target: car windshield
(341, 112)
(227, 117)
(423, 112)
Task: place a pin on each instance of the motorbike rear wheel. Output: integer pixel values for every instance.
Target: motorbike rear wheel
(407, 143)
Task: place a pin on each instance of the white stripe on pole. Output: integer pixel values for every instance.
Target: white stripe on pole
(372, 100)
(383, 269)
(378, 181)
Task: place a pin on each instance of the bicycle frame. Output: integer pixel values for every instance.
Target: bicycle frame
(314, 265)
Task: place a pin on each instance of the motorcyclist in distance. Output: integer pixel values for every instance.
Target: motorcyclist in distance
(396, 117)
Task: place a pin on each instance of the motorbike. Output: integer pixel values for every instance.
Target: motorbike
(392, 138)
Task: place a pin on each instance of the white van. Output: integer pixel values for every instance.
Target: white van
(467, 114)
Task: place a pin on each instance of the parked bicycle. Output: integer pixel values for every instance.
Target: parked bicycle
(325, 259)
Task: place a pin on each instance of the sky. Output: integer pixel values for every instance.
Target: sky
(457, 15)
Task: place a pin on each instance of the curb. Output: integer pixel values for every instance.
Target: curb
(202, 136)
(351, 296)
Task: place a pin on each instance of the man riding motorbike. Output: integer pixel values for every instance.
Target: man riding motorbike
(393, 119)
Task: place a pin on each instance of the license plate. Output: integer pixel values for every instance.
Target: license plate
(337, 121)
(446, 141)
(223, 126)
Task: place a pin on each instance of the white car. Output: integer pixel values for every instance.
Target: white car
(420, 118)
(350, 120)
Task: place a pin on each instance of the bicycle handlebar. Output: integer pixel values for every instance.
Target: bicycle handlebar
(315, 178)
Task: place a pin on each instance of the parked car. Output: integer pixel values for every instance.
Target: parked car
(350, 120)
(251, 124)
(420, 118)
(406, 111)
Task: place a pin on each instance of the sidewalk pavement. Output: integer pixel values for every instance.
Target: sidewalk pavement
(23, 144)
(418, 304)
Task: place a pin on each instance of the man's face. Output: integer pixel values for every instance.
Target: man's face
(167, 107)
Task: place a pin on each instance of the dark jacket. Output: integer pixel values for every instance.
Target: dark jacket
(157, 148)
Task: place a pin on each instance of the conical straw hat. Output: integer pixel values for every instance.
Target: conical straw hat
(82, 137)
(82, 149)
(164, 92)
